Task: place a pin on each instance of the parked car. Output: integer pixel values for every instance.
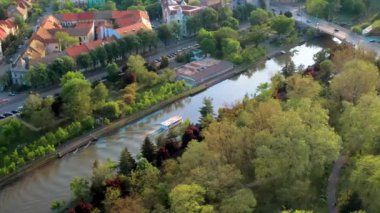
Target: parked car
(15, 111)
(372, 41)
(7, 114)
(336, 30)
(2, 117)
(11, 94)
(308, 21)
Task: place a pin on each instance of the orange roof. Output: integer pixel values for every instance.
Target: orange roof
(75, 51)
(9, 23)
(50, 22)
(131, 29)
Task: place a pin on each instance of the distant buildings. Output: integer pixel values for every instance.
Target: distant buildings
(178, 12)
(91, 29)
(87, 3)
(198, 72)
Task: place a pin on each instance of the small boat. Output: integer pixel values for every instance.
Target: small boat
(171, 122)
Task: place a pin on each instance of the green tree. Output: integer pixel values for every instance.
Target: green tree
(101, 55)
(359, 125)
(164, 33)
(76, 97)
(84, 61)
(252, 54)
(110, 5)
(189, 198)
(65, 40)
(259, 16)
(112, 72)
(209, 18)
(230, 47)
(282, 25)
(148, 38)
(127, 163)
(71, 75)
(362, 76)
(99, 95)
(110, 110)
(193, 24)
(299, 86)
(80, 187)
(242, 201)
(144, 178)
(111, 197)
(129, 96)
(148, 150)
(317, 7)
(258, 34)
(365, 180)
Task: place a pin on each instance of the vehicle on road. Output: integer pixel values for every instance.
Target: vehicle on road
(372, 41)
(308, 21)
(336, 30)
(7, 114)
(2, 117)
(14, 111)
(282, 52)
(11, 94)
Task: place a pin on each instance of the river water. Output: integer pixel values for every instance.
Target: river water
(35, 192)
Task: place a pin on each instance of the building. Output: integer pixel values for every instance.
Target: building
(91, 29)
(21, 9)
(198, 72)
(178, 12)
(7, 27)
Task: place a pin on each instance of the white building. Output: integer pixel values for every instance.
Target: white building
(178, 12)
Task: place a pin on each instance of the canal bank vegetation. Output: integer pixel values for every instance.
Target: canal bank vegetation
(270, 153)
(243, 46)
(79, 108)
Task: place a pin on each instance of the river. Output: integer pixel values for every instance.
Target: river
(35, 192)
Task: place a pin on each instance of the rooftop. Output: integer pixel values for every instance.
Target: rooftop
(200, 70)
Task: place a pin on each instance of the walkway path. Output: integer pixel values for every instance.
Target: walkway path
(333, 182)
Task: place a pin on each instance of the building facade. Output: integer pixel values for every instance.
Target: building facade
(178, 12)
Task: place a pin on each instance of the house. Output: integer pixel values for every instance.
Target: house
(179, 13)
(71, 19)
(198, 72)
(7, 27)
(84, 32)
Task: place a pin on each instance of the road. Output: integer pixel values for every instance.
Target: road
(330, 28)
(333, 183)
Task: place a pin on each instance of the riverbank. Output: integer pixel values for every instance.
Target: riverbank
(89, 136)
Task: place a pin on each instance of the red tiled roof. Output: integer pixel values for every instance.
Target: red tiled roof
(8, 22)
(94, 44)
(85, 25)
(3, 35)
(75, 51)
(78, 16)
